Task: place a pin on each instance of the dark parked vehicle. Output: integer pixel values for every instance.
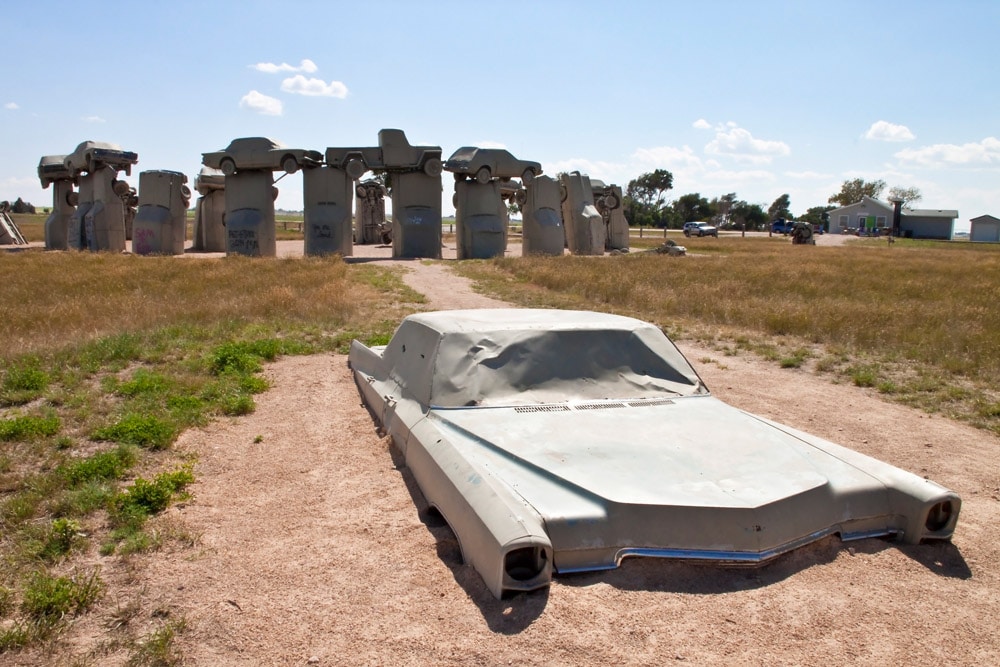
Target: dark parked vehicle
(782, 226)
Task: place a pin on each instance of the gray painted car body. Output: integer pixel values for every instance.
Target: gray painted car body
(562, 441)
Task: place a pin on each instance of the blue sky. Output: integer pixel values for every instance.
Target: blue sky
(757, 98)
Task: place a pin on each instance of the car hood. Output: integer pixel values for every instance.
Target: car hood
(683, 451)
(683, 477)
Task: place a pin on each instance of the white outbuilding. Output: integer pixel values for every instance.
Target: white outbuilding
(985, 229)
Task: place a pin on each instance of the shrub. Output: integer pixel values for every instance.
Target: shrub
(863, 376)
(100, 466)
(238, 405)
(143, 382)
(150, 497)
(25, 379)
(141, 430)
(63, 534)
(235, 358)
(47, 597)
(28, 427)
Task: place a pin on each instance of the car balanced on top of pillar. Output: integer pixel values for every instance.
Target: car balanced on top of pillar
(260, 153)
(393, 154)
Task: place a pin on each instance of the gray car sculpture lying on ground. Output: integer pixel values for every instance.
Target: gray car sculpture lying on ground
(260, 153)
(484, 164)
(564, 441)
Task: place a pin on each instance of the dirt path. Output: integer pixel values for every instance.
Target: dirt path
(315, 548)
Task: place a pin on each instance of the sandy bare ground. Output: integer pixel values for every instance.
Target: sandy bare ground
(315, 547)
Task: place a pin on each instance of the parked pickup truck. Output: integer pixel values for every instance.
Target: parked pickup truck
(393, 153)
(782, 226)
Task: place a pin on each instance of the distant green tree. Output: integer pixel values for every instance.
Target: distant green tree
(720, 207)
(779, 209)
(645, 196)
(814, 215)
(852, 191)
(909, 195)
(692, 207)
(752, 215)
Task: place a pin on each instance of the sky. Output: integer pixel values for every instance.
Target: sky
(758, 98)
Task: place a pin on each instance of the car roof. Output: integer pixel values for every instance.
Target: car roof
(255, 143)
(521, 356)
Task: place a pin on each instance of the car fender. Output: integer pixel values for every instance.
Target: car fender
(500, 535)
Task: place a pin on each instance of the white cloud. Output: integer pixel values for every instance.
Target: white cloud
(93, 119)
(262, 104)
(306, 66)
(11, 105)
(609, 172)
(984, 153)
(300, 85)
(885, 131)
(669, 156)
(807, 175)
(739, 144)
(729, 177)
(701, 124)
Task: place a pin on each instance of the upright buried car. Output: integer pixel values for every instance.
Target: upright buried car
(563, 441)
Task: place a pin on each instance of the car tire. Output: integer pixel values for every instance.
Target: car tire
(433, 167)
(355, 168)
(289, 164)
(520, 197)
(528, 176)
(483, 175)
(687, 232)
(611, 202)
(227, 166)
(361, 192)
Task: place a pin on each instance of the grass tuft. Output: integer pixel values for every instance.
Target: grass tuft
(23, 384)
(145, 431)
(50, 598)
(28, 427)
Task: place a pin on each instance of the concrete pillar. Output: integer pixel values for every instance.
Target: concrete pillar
(104, 222)
(160, 225)
(608, 201)
(76, 233)
(210, 209)
(249, 218)
(369, 223)
(328, 194)
(584, 225)
(542, 226)
(480, 216)
(57, 224)
(416, 215)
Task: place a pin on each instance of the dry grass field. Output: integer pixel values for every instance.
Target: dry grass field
(114, 359)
